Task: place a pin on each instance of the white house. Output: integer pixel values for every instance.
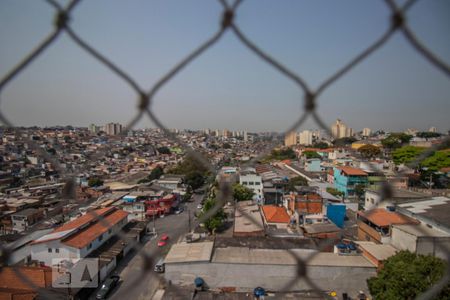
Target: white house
(77, 238)
(253, 182)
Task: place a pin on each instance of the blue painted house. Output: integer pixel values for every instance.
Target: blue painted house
(313, 165)
(346, 178)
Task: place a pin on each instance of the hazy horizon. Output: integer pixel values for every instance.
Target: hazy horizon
(228, 86)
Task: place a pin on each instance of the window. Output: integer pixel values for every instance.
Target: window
(57, 250)
(100, 238)
(49, 250)
(244, 182)
(251, 183)
(257, 183)
(109, 231)
(89, 246)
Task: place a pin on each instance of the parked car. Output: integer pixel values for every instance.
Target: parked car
(161, 243)
(179, 211)
(160, 266)
(164, 237)
(200, 206)
(107, 286)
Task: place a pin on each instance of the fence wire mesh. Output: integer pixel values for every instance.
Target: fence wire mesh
(62, 25)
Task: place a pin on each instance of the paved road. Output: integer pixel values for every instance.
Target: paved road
(136, 284)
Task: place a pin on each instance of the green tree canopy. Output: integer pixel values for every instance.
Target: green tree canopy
(334, 192)
(242, 193)
(406, 154)
(311, 154)
(396, 140)
(344, 141)
(281, 154)
(216, 221)
(407, 275)
(296, 181)
(320, 145)
(94, 181)
(369, 151)
(427, 134)
(226, 146)
(164, 150)
(156, 173)
(439, 159)
(195, 179)
(188, 165)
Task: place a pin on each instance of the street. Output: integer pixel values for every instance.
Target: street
(138, 284)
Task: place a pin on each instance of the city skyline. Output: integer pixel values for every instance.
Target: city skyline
(395, 87)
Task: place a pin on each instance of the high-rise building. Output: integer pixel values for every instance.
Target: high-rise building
(340, 130)
(432, 129)
(245, 136)
(94, 128)
(366, 132)
(306, 138)
(225, 133)
(290, 138)
(112, 128)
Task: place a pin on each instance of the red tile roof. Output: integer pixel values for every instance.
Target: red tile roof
(40, 277)
(84, 237)
(85, 219)
(275, 214)
(352, 171)
(382, 217)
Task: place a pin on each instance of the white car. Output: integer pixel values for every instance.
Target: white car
(199, 206)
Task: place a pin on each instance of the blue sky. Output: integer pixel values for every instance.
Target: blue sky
(228, 86)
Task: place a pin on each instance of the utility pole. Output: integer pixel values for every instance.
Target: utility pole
(154, 227)
(189, 219)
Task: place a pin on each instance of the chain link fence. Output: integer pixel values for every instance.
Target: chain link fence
(62, 25)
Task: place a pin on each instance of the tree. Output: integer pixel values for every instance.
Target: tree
(396, 140)
(188, 165)
(156, 173)
(320, 145)
(95, 181)
(427, 134)
(344, 141)
(164, 150)
(406, 154)
(226, 146)
(369, 151)
(195, 179)
(282, 154)
(296, 181)
(360, 189)
(213, 223)
(436, 161)
(335, 192)
(406, 275)
(242, 193)
(311, 154)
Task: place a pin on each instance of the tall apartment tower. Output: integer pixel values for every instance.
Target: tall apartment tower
(113, 128)
(366, 132)
(306, 138)
(290, 139)
(340, 130)
(432, 129)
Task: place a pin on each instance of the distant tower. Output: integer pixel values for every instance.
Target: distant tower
(112, 128)
(366, 132)
(340, 130)
(245, 136)
(432, 129)
(306, 137)
(290, 139)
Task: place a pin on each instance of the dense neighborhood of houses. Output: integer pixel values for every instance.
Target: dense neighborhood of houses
(341, 211)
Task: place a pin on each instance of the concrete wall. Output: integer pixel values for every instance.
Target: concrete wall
(271, 277)
(437, 246)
